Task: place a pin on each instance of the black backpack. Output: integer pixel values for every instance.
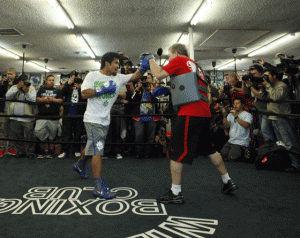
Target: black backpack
(272, 156)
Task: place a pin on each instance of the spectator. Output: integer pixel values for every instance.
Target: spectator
(278, 128)
(22, 128)
(50, 99)
(6, 147)
(256, 71)
(161, 141)
(144, 126)
(117, 128)
(71, 91)
(239, 122)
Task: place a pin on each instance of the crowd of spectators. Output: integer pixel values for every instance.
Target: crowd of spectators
(235, 128)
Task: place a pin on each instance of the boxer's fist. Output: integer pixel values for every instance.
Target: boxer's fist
(145, 64)
(147, 55)
(109, 87)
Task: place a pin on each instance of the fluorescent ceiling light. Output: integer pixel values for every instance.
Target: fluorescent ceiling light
(205, 5)
(83, 42)
(231, 63)
(6, 52)
(184, 38)
(61, 13)
(277, 42)
(37, 66)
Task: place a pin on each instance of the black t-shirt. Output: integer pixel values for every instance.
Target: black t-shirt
(51, 109)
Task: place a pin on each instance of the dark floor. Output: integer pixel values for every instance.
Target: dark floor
(33, 202)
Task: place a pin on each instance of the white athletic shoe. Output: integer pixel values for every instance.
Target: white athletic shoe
(119, 156)
(77, 154)
(62, 155)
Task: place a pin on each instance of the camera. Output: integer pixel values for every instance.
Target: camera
(255, 80)
(145, 84)
(124, 59)
(27, 84)
(288, 65)
(228, 109)
(7, 80)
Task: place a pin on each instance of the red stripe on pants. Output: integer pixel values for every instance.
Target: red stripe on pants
(186, 130)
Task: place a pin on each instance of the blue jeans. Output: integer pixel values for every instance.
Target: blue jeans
(144, 133)
(280, 130)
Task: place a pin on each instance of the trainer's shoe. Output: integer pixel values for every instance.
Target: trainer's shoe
(80, 171)
(40, 156)
(104, 191)
(119, 156)
(2, 152)
(62, 155)
(77, 154)
(169, 197)
(12, 152)
(229, 187)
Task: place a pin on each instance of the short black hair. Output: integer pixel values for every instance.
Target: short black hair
(108, 57)
(258, 67)
(49, 76)
(23, 77)
(242, 100)
(74, 72)
(78, 80)
(150, 74)
(273, 72)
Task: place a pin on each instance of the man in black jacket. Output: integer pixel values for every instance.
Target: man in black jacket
(144, 126)
(72, 93)
(6, 147)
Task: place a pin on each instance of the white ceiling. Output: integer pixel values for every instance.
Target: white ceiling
(137, 26)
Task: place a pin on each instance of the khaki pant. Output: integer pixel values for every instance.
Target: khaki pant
(6, 132)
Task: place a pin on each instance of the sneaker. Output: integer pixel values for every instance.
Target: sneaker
(77, 154)
(169, 197)
(62, 155)
(40, 156)
(104, 192)
(2, 152)
(228, 187)
(48, 156)
(12, 152)
(80, 171)
(119, 156)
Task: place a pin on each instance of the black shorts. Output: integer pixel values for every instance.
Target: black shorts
(189, 135)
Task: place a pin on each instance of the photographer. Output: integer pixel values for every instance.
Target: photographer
(233, 85)
(6, 147)
(279, 128)
(239, 122)
(22, 128)
(253, 82)
(144, 126)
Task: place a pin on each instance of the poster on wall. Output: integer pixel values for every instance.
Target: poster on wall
(220, 79)
(35, 79)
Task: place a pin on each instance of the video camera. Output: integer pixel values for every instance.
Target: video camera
(125, 60)
(255, 80)
(288, 65)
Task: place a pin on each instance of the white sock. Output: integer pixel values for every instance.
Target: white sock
(225, 178)
(176, 189)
